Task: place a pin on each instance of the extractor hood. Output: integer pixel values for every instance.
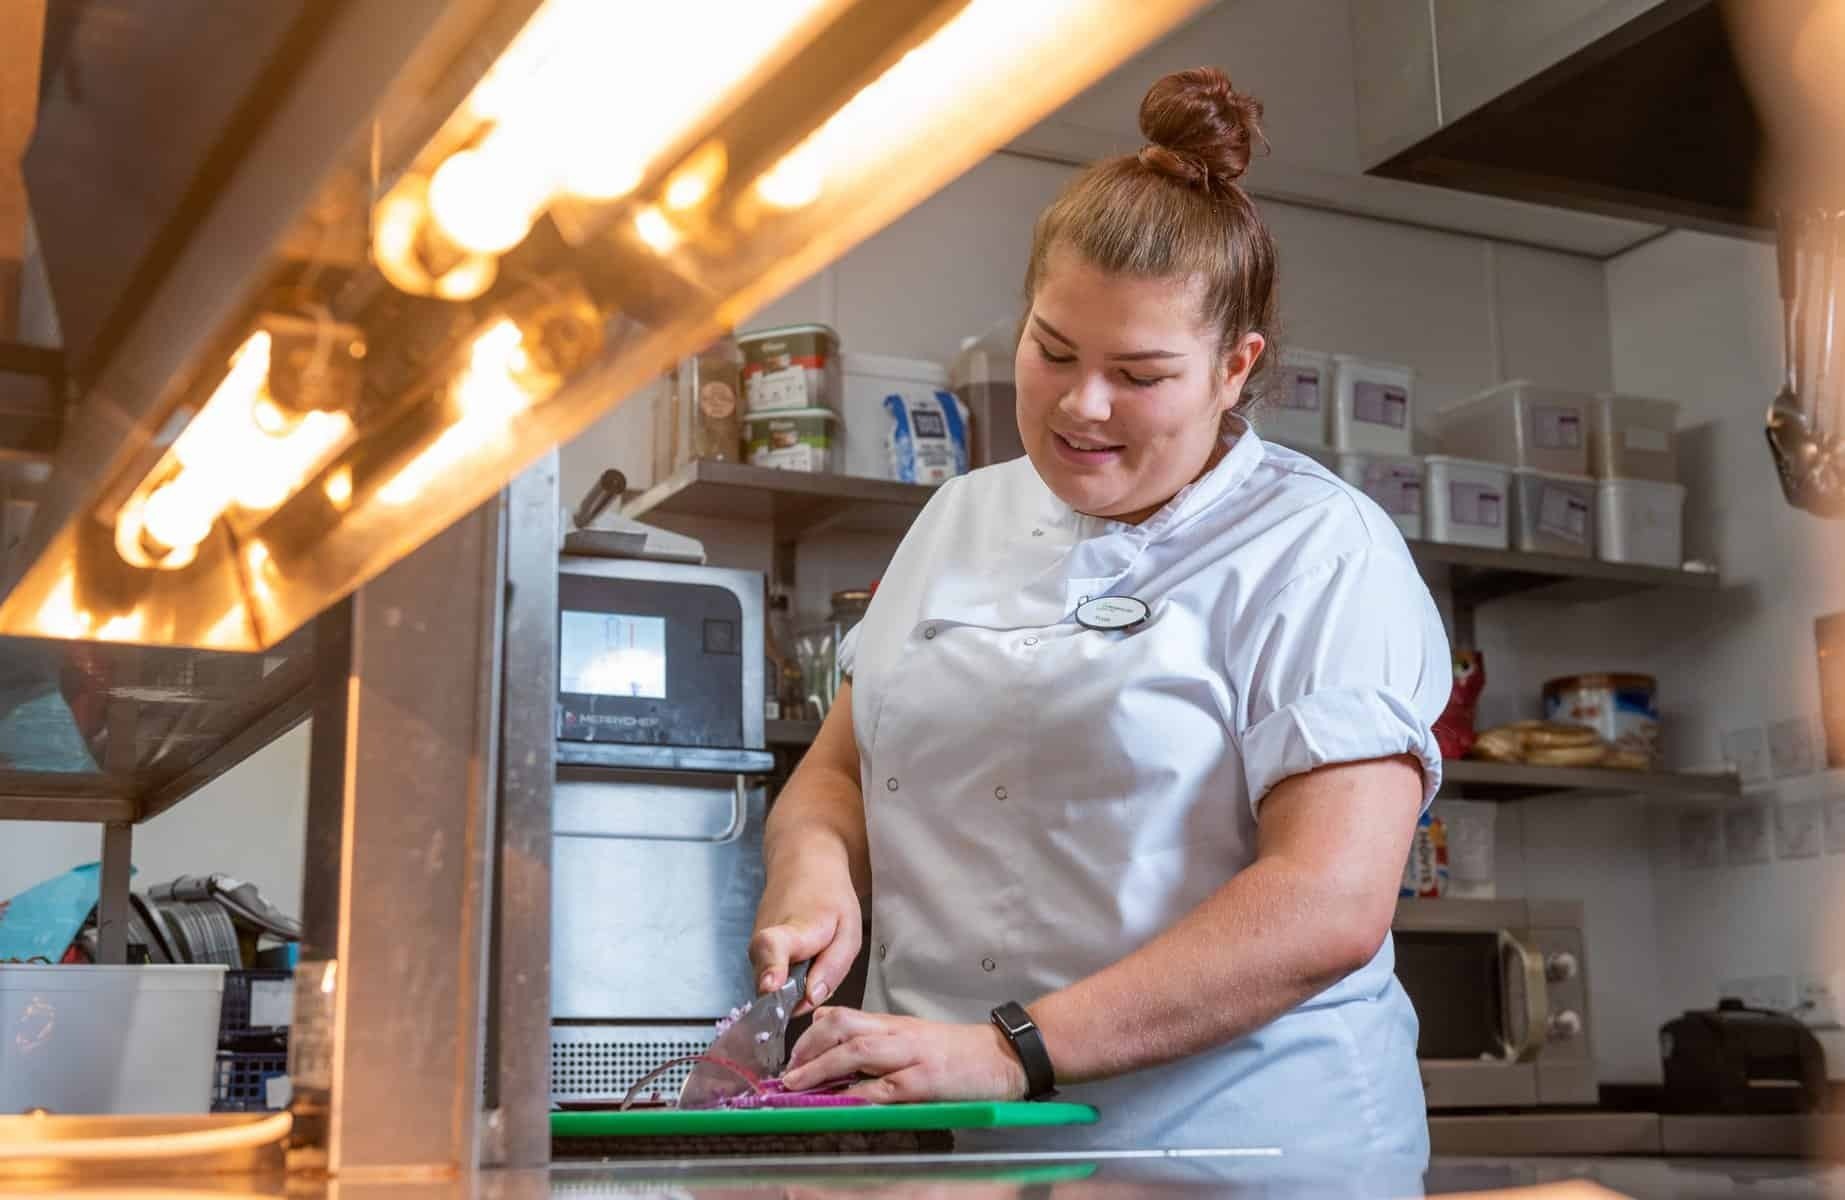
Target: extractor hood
(1641, 109)
(330, 272)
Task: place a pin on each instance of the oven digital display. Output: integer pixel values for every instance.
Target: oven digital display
(613, 654)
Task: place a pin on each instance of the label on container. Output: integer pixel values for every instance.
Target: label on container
(1396, 487)
(1303, 391)
(1647, 441)
(1380, 404)
(1556, 427)
(798, 456)
(272, 1003)
(1564, 514)
(771, 391)
(1475, 504)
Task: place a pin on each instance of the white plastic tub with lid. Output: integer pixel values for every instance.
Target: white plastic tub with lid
(1553, 513)
(1300, 410)
(1393, 482)
(95, 1039)
(1466, 502)
(1640, 521)
(1373, 405)
(869, 380)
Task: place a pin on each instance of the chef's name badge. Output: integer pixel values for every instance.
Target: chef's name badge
(1112, 612)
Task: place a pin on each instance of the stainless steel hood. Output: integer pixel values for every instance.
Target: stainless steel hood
(330, 272)
(1641, 109)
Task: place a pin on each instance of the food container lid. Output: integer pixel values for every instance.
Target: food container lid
(1567, 683)
(782, 331)
(1615, 483)
(790, 414)
(1374, 364)
(1298, 356)
(1450, 460)
(1365, 456)
(1555, 476)
(918, 370)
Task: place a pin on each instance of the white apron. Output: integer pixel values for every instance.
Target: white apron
(1042, 799)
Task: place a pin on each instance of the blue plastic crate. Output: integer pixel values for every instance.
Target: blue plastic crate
(243, 1079)
(234, 1017)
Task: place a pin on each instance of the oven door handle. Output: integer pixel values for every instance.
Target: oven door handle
(1523, 1046)
(739, 821)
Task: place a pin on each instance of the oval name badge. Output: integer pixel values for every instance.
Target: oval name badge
(1112, 612)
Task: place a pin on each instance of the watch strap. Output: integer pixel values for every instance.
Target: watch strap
(1022, 1034)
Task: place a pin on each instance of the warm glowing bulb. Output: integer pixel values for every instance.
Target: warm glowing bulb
(339, 488)
(694, 182)
(179, 513)
(795, 181)
(269, 417)
(595, 174)
(483, 205)
(656, 230)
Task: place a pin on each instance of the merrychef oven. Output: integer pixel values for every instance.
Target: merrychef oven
(657, 845)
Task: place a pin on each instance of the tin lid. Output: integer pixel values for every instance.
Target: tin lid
(1616, 682)
(790, 414)
(782, 331)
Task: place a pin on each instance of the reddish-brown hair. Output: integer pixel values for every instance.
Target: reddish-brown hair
(1175, 210)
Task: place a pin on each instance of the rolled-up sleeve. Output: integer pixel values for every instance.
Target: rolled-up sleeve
(1345, 664)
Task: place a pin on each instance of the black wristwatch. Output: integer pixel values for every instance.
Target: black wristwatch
(1028, 1044)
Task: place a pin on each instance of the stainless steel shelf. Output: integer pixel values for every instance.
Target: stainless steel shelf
(1477, 576)
(1512, 781)
(796, 504)
(119, 734)
(1480, 780)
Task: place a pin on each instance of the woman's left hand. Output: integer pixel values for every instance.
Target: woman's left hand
(911, 1060)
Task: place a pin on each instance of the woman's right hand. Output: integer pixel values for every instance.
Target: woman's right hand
(810, 912)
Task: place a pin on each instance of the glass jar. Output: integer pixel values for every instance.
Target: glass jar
(817, 650)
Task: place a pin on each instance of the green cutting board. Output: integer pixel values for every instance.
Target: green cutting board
(673, 1122)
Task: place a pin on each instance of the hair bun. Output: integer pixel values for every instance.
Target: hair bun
(1202, 130)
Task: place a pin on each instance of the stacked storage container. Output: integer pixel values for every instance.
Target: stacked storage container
(1371, 416)
(1541, 434)
(1633, 445)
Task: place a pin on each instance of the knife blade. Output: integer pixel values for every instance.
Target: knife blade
(753, 1040)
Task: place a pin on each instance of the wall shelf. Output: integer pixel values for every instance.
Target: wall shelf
(1476, 780)
(797, 504)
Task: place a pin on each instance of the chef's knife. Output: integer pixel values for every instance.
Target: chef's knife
(754, 1040)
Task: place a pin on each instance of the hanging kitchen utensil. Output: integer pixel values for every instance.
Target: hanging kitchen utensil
(753, 1039)
(1804, 421)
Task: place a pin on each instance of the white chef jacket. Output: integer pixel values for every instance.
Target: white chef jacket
(1042, 799)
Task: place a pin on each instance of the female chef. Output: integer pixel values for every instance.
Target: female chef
(1139, 725)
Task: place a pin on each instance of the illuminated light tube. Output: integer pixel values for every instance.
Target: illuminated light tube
(499, 381)
(543, 129)
(240, 450)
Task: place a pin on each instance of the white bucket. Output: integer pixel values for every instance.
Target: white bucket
(94, 1039)
(1394, 483)
(1373, 406)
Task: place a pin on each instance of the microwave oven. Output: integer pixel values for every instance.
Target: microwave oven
(1501, 991)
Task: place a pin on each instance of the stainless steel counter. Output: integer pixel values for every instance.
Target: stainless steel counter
(1028, 1178)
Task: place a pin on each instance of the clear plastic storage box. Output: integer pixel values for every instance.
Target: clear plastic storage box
(1633, 437)
(1394, 482)
(1466, 502)
(109, 1039)
(1553, 513)
(1640, 521)
(1522, 425)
